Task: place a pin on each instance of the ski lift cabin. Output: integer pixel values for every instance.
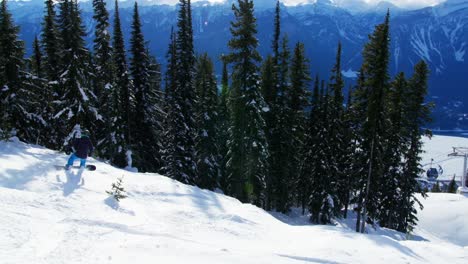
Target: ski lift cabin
(432, 173)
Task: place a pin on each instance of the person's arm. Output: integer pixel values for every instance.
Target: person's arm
(75, 145)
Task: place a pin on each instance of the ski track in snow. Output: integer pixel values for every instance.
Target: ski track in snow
(55, 216)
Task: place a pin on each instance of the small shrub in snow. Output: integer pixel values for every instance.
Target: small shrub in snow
(117, 191)
(436, 188)
(452, 187)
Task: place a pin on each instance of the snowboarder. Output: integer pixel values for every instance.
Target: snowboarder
(82, 147)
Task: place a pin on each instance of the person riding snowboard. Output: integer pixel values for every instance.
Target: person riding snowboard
(82, 147)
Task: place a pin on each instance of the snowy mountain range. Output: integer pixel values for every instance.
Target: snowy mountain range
(57, 216)
(437, 34)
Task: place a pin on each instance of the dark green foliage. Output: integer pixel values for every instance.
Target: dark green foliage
(207, 130)
(50, 42)
(340, 162)
(417, 114)
(121, 95)
(147, 116)
(180, 161)
(452, 187)
(103, 81)
(248, 150)
(294, 120)
(13, 107)
(436, 188)
(77, 102)
(376, 83)
(117, 191)
(222, 136)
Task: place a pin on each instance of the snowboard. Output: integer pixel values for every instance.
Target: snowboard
(88, 167)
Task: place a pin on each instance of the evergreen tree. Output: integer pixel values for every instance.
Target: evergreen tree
(172, 112)
(391, 193)
(223, 126)
(122, 96)
(452, 187)
(308, 153)
(117, 191)
(182, 161)
(103, 80)
(296, 103)
(50, 43)
(39, 98)
(436, 188)
(77, 100)
(248, 150)
(270, 91)
(13, 105)
(321, 200)
(339, 159)
(147, 116)
(207, 116)
(376, 80)
(417, 114)
(36, 60)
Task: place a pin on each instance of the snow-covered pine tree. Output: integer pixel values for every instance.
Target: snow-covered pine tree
(417, 114)
(376, 57)
(103, 81)
(122, 96)
(77, 100)
(222, 136)
(248, 149)
(319, 159)
(297, 101)
(351, 153)
(51, 45)
(179, 150)
(207, 129)
(170, 122)
(117, 191)
(36, 65)
(339, 158)
(270, 91)
(38, 96)
(282, 134)
(391, 194)
(15, 100)
(311, 128)
(147, 102)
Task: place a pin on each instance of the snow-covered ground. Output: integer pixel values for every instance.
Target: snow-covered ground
(53, 216)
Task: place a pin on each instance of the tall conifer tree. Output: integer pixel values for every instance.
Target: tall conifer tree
(183, 100)
(376, 79)
(147, 115)
(103, 80)
(207, 117)
(122, 96)
(223, 126)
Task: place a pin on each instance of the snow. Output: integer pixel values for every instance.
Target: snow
(438, 149)
(57, 216)
(350, 74)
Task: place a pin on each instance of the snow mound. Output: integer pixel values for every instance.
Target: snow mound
(56, 216)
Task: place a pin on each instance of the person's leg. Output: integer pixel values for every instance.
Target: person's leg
(70, 161)
(83, 163)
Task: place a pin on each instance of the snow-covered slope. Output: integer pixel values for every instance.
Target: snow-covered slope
(53, 216)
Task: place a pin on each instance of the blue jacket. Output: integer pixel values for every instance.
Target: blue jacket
(82, 147)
